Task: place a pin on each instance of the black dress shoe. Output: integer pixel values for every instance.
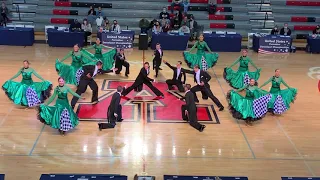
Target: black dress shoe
(160, 68)
(221, 108)
(202, 128)
(120, 120)
(100, 127)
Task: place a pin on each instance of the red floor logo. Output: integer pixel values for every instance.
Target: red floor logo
(142, 106)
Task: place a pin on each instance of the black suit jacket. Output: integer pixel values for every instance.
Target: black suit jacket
(175, 71)
(274, 32)
(90, 69)
(204, 77)
(157, 55)
(119, 59)
(143, 76)
(190, 103)
(114, 104)
(282, 32)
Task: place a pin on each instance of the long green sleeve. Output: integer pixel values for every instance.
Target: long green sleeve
(194, 46)
(252, 63)
(88, 48)
(37, 75)
(52, 97)
(266, 82)
(88, 57)
(284, 83)
(66, 57)
(235, 62)
(241, 89)
(206, 45)
(106, 47)
(73, 93)
(15, 76)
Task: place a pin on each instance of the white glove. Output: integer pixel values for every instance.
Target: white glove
(115, 114)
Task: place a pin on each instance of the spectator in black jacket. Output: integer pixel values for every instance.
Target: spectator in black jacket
(275, 31)
(92, 15)
(164, 14)
(4, 13)
(316, 30)
(286, 31)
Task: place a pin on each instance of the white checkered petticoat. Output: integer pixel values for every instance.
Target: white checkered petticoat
(78, 75)
(204, 64)
(32, 97)
(246, 79)
(65, 122)
(279, 107)
(260, 105)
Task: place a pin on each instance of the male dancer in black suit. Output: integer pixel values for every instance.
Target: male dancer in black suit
(115, 108)
(158, 53)
(202, 79)
(143, 78)
(87, 79)
(120, 59)
(176, 80)
(190, 109)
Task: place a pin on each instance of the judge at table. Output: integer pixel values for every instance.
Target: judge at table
(115, 27)
(75, 26)
(286, 31)
(184, 29)
(275, 31)
(316, 30)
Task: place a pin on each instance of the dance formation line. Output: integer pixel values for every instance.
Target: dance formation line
(86, 66)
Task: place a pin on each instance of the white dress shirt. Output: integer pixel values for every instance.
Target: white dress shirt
(160, 51)
(95, 71)
(178, 72)
(198, 77)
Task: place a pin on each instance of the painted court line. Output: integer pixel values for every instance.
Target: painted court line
(36, 141)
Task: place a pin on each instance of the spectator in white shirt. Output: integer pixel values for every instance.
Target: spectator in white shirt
(184, 29)
(115, 27)
(86, 27)
(99, 21)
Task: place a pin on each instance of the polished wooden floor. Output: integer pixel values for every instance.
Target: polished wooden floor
(286, 145)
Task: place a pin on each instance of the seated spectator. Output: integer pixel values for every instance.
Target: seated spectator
(152, 23)
(185, 20)
(157, 28)
(144, 25)
(186, 5)
(286, 31)
(163, 22)
(92, 15)
(100, 12)
(106, 24)
(99, 21)
(164, 14)
(193, 26)
(115, 27)
(4, 13)
(316, 30)
(184, 29)
(86, 27)
(176, 3)
(99, 33)
(75, 26)
(176, 20)
(275, 31)
(166, 28)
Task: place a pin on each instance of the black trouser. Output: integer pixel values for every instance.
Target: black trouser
(191, 117)
(156, 65)
(5, 18)
(111, 118)
(171, 82)
(137, 84)
(82, 87)
(206, 92)
(86, 34)
(119, 65)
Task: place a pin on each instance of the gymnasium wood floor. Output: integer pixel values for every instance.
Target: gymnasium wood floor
(277, 146)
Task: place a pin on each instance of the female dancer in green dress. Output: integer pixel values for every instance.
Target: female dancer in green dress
(106, 58)
(201, 58)
(241, 77)
(61, 115)
(71, 73)
(27, 92)
(281, 99)
(250, 108)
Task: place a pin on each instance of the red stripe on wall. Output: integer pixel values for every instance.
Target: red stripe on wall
(299, 19)
(59, 21)
(218, 25)
(64, 4)
(60, 12)
(304, 27)
(196, 1)
(217, 17)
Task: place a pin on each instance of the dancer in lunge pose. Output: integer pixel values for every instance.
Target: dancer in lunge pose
(176, 80)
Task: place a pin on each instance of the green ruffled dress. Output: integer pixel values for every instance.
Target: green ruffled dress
(201, 58)
(27, 92)
(281, 99)
(61, 115)
(252, 107)
(241, 77)
(71, 73)
(107, 58)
